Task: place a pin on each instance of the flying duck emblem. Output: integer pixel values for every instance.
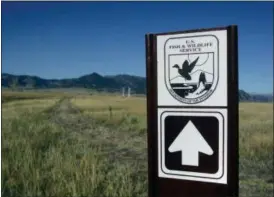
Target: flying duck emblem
(186, 68)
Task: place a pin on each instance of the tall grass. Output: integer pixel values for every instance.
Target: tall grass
(256, 149)
(96, 146)
(61, 152)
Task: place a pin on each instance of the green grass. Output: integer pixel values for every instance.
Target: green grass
(76, 146)
(256, 149)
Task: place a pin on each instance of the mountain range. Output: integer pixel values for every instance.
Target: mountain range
(101, 83)
(92, 81)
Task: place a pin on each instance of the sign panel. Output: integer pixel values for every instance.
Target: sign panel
(192, 106)
(192, 144)
(194, 68)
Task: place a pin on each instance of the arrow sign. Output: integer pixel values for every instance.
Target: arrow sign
(190, 142)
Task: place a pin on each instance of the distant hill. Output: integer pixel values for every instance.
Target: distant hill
(92, 81)
(101, 83)
(262, 97)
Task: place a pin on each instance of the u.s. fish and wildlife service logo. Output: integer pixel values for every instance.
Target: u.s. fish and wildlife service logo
(192, 68)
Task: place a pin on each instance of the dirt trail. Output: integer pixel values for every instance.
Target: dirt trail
(68, 116)
(116, 142)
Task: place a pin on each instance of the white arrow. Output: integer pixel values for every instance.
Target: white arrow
(190, 142)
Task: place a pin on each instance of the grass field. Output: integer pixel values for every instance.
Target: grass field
(81, 145)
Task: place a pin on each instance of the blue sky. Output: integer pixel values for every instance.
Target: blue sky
(70, 39)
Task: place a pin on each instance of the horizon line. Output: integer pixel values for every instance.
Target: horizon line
(47, 78)
(250, 92)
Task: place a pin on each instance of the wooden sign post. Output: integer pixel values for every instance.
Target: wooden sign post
(192, 110)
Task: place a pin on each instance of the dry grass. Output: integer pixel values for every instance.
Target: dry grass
(135, 105)
(79, 147)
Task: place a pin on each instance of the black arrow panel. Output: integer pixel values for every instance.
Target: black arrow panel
(209, 129)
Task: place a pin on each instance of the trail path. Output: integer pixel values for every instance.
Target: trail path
(116, 142)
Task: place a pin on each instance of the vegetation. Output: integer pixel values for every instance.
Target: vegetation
(8, 95)
(59, 144)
